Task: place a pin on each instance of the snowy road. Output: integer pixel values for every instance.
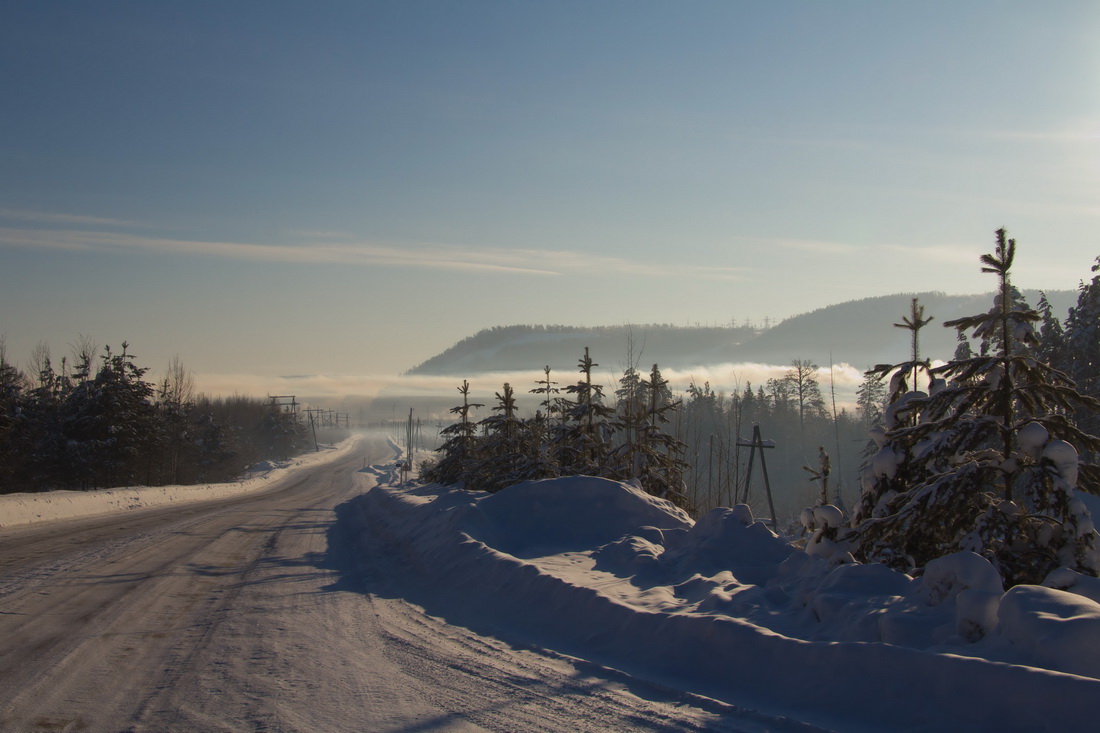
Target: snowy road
(259, 613)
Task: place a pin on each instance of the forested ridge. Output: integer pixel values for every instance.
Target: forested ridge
(851, 332)
(502, 348)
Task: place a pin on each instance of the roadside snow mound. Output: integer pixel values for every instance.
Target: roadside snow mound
(722, 607)
(730, 540)
(543, 517)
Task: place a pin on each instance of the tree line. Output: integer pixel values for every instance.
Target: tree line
(682, 447)
(96, 422)
(574, 431)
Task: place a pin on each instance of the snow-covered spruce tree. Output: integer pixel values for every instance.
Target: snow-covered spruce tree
(109, 422)
(652, 456)
(215, 459)
(459, 451)
(281, 433)
(1082, 341)
(887, 468)
(507, 452)
(43, 412)
(989, 457)
(913, 323)
(630, 410)
(1052, 337)
(547, 389)
(546, 422)
(871, 399)
(14, 426)
(583, 444)
(962, 348)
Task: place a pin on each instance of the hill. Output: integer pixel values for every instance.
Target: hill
(857, 332)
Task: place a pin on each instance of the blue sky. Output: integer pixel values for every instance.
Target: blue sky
(348, 188)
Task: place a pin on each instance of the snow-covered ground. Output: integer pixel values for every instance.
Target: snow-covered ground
(599, 571)
(724, 608)
(23, 509)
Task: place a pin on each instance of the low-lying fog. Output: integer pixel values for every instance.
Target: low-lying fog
(374, 398)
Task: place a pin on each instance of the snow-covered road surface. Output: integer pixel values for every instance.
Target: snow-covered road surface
(260, 613)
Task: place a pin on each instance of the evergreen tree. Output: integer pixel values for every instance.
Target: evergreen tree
(962, 349)
(1052, 337)
(779, 397)
(871, 399)
(886, 468)
(914, 322)
(749, 405)
(550, 405)
(14, 426)
(1082, 336)
(281, 432)
(1008, 326)
(47, 440)
(108, 422)
(985, 462)
(459, 452)
(584, 444)
(630, 405)
(507, 454)
(762, 404)
(653, 457)
(212, 457)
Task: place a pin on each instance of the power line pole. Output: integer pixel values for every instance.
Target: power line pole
(757, 443)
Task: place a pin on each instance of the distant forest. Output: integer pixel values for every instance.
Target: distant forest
(95, 422)
(508, 347)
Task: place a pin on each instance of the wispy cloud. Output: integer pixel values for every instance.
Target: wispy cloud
(55, 218)
(438, 257)
(1072, 131)
(423, 256)
(322, 234)
(946, 254)
(814, 246)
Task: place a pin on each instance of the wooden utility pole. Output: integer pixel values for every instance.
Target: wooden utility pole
(757, 443)
(288, 403)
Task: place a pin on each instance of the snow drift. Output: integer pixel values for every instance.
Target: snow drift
(723, 607)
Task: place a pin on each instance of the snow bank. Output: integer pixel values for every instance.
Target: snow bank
(21, 509)
(723, 607)
(1053, 627)
(541, 516)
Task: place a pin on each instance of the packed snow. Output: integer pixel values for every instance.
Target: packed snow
(720, 607)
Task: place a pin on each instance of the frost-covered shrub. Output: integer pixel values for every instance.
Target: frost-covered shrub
(947, 576)
(825, 522)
